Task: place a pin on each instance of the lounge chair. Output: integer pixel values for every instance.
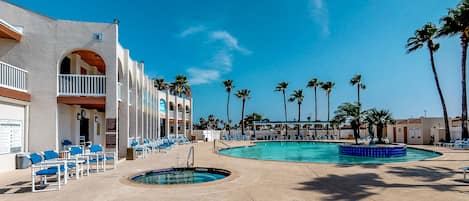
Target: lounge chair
(72, 165)
(97, 155)
(77, 152)
(44, 169)
(140, 149)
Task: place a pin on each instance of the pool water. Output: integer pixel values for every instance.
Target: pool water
(181, 176)
(319, 152)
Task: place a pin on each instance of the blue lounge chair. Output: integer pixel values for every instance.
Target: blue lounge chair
(44, 169)
(73, 165)
(99, 156)
(77, 153)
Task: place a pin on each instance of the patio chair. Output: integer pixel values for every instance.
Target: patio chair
(77, 152)
(72, 165)
(99, 156)
(44, 169)
(141, 150)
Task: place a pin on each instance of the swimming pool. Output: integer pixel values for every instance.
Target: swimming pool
(318, 152)
(181, 176)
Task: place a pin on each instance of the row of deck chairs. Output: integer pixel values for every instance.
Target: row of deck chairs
(235, 137)
(156, 145)
(456, 144)
(79, 162)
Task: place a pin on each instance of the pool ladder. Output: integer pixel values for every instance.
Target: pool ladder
(190, 155)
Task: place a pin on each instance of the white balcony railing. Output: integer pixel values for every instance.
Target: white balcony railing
(81, 85)
(13, 77)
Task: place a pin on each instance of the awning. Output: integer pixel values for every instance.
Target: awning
(9, 31)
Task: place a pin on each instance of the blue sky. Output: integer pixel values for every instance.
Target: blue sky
(261, 43)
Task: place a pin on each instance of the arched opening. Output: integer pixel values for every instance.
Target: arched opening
(180, 108)
(171, 106)
(81, 95)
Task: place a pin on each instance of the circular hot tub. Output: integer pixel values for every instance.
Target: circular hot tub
(376, 151)
(181, 176)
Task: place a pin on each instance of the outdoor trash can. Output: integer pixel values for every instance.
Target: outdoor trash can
(22, 161)
(131, 154)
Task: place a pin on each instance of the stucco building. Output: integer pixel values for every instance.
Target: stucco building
(68, 80)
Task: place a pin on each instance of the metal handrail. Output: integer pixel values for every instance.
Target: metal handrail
(191, 153)
(215, 148)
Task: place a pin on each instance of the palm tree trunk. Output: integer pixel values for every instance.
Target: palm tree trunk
(442, 99)
(228, 114)
(242, 118)
(299, 118)
(359, 107)
(315, 111)
(328, 111)
(464, 41)
(285, 110)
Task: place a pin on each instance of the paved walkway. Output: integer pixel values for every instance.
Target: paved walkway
(436, 179)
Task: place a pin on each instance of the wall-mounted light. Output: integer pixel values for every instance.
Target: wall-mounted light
(78, 116)
(96, 119)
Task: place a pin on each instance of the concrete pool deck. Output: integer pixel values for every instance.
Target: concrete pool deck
(433, 179)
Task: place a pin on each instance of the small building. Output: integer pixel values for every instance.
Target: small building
(414, 130)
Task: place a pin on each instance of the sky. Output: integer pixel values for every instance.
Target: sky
(261, 43)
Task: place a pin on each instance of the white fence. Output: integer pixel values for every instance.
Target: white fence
(13, 77)
(81, 85)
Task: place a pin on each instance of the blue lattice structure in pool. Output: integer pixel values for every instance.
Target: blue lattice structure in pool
(384, 151)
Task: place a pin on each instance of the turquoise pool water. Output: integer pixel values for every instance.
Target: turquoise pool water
(318, 152)
(181, 176)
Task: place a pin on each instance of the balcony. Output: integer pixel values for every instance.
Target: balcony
(12, 77)
(81, 85)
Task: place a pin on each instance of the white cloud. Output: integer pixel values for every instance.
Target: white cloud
(320, 14)
(221, 61)
(192, 30)
(230, 41)
(202, 76)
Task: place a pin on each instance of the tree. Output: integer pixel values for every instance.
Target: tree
(314, 83)
(380, 118)
(282, 86)
(356, 80)
(349, 112)
(243, 94)
(424, 36)
(297, 96)
(228, 86)
(178, 87)
(160, 84)
(251, 118)
(457, 23)
(327, 87)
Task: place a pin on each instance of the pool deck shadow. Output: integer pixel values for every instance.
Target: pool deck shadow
(436, 179)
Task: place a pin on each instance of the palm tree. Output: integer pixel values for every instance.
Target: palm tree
(244, 95)
(337, 121)
(327, 87)
(348, 112)
(457, 23)
(178, 87)
(424, 36)
(160, 84)
(282, 86)
(297, 96)
(314, 83)
(356, 80)
(228, 86)
(380, 118)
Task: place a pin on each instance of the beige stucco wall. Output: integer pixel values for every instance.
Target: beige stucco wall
(45, 42)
